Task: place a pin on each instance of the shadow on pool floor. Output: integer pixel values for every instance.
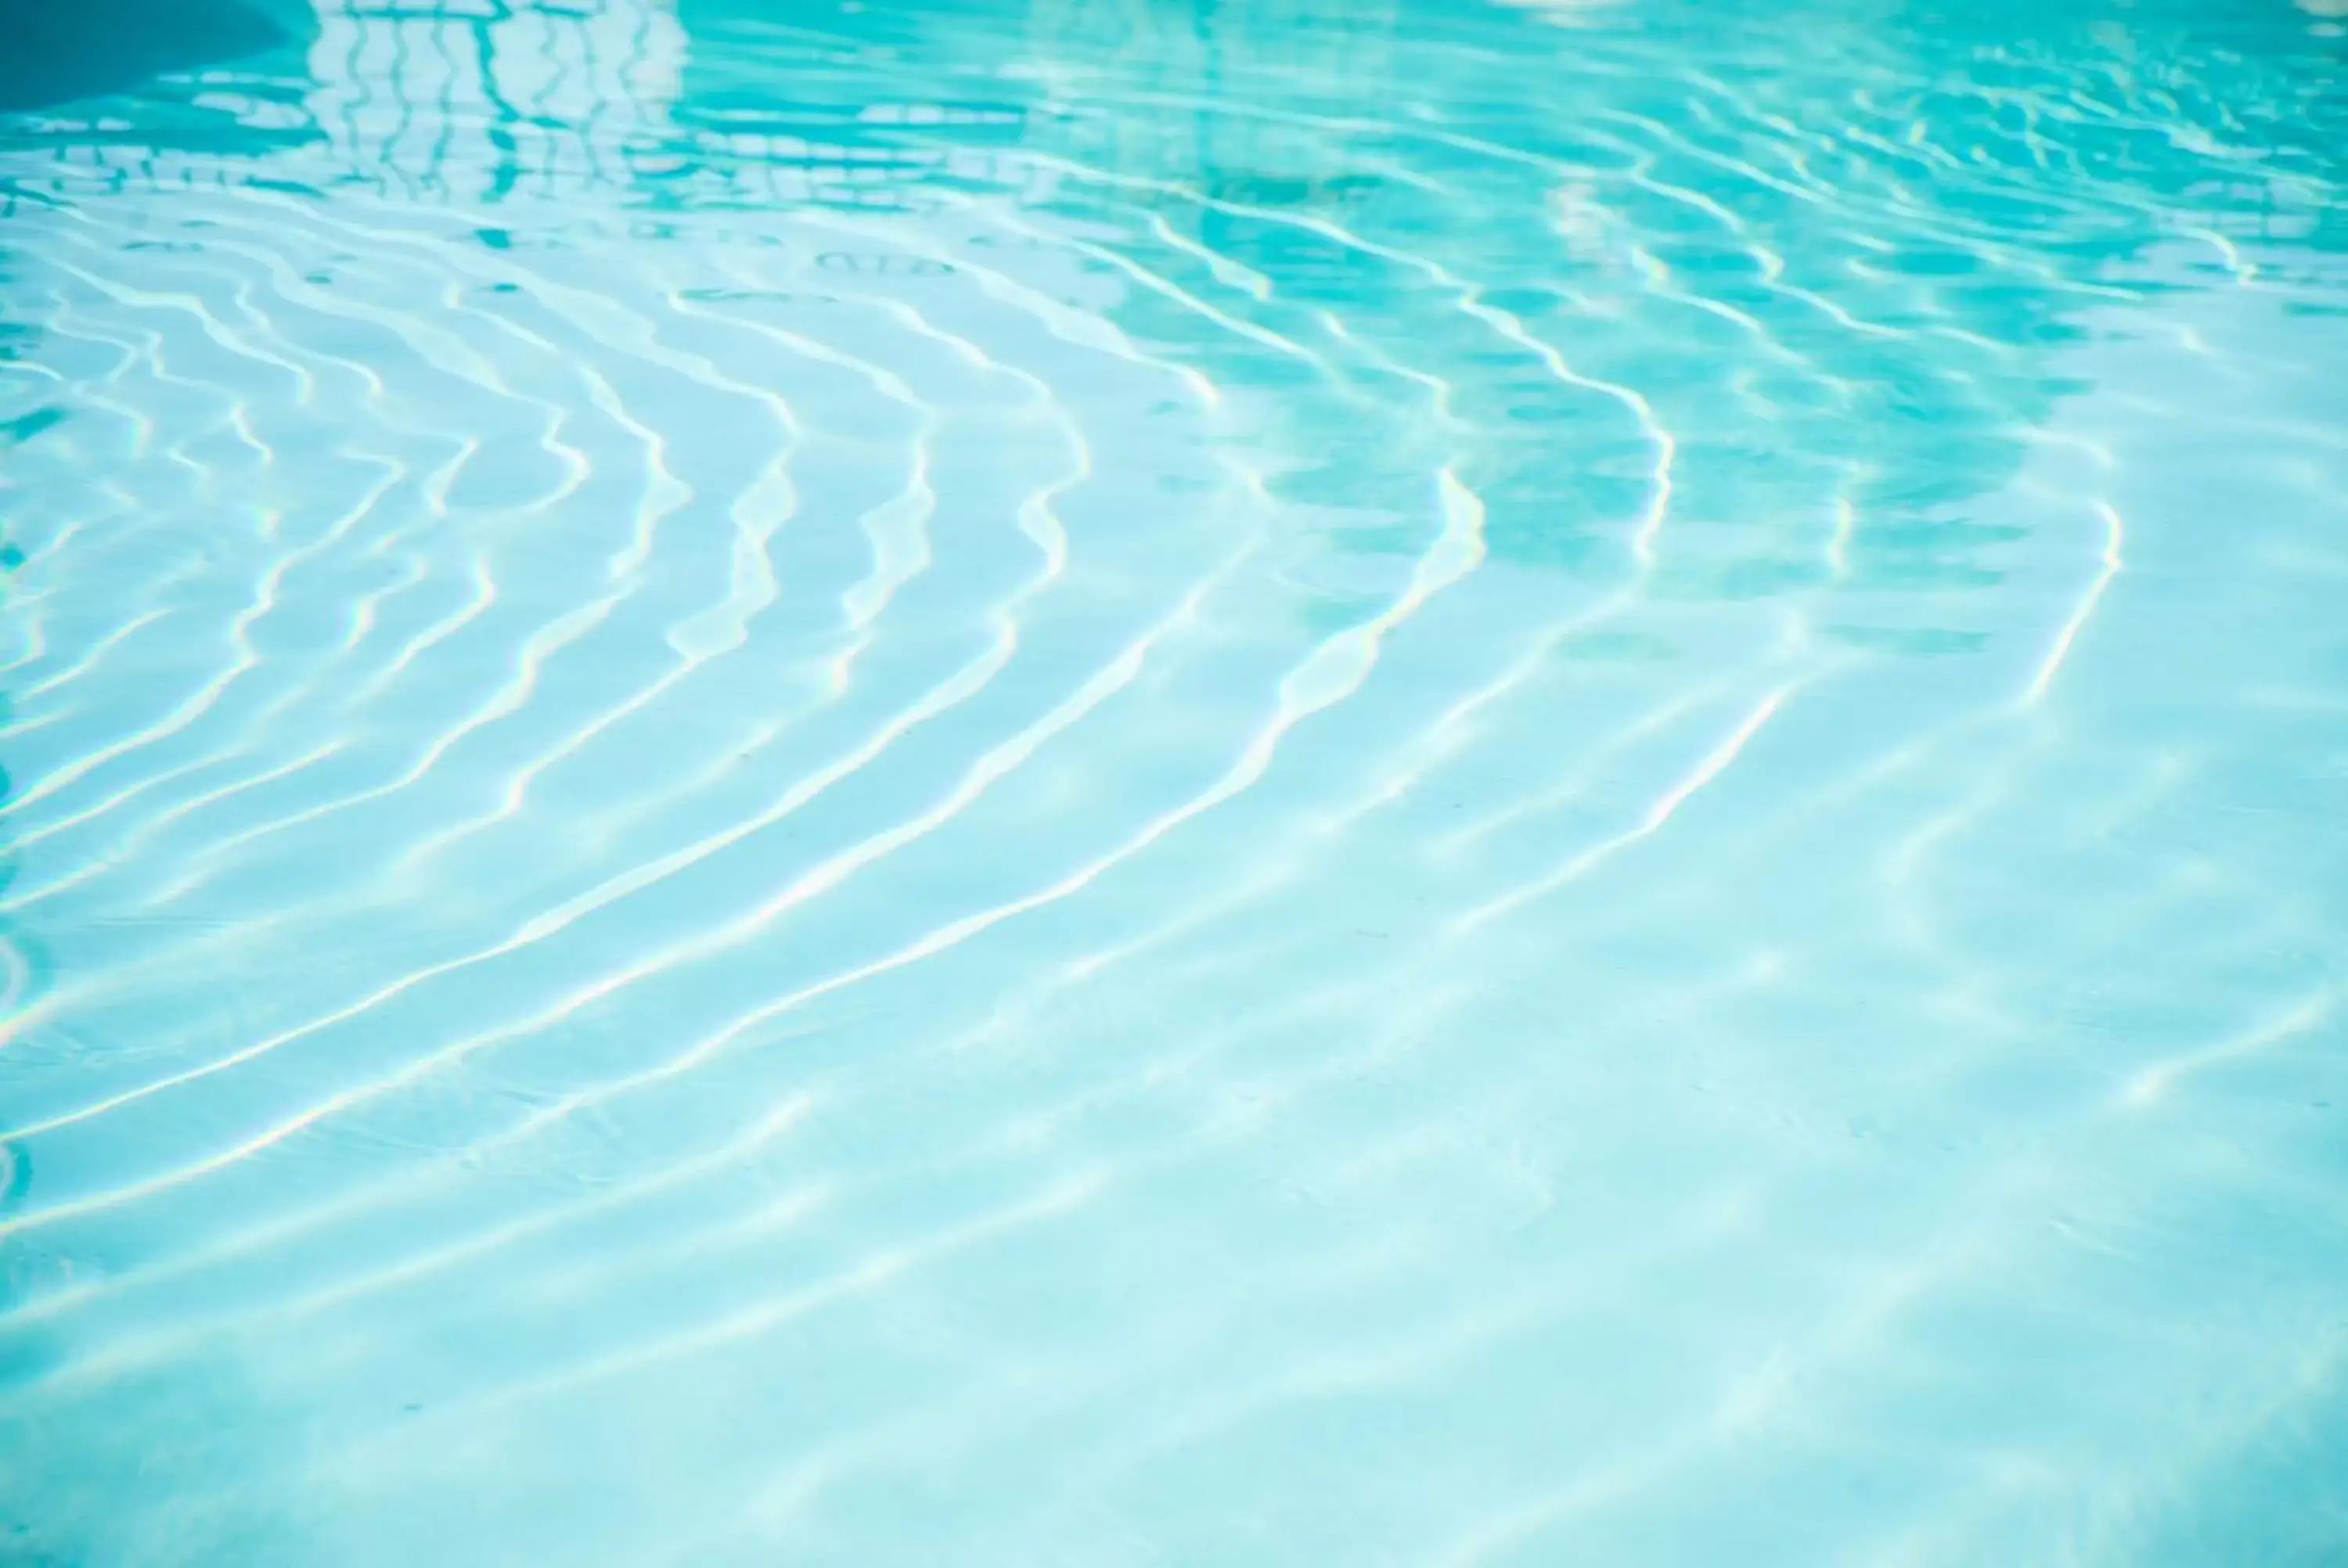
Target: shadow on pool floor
(59, 53)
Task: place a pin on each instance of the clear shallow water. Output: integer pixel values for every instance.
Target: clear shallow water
(1145, 783)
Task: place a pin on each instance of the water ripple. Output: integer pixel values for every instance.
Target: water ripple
(760, 765)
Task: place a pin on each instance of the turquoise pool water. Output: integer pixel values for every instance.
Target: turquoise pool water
(1115, 783)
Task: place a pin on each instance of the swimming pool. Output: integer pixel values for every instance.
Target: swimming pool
(1191, 781)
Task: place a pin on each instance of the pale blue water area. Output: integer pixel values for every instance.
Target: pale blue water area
(1318, 784)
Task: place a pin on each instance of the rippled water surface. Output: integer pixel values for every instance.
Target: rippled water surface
(1174, 781)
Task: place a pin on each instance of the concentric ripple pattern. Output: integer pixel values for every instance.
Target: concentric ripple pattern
(1138, 782)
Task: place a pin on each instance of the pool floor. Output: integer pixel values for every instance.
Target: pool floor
(1120, 782)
